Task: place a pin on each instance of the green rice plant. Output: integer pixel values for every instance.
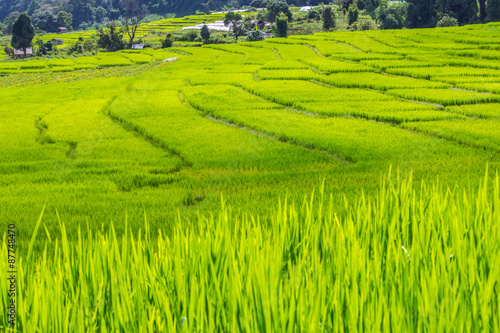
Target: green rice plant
(163, 117)
(431, 72)
(113, 60)
(85, 66)
(61, 62)
(209, 78)
(384, 64)
(477, 53)
(477, 40)
(448, 60)
(291, 92)
(32, 64)
(377, 81)
(161, 54)
(356, 140)
(368, 56)
(329, 48)
(361, 42)
(87, 60)
(491, 87)
(138, 58)
(282, 40)
(306, 38)
(477, 110)
(251, 55)
(288, 74)
(481, 133)
(329, 66)
(9, 65)
(293, 52)
(285, 64)
(386, 111)
(213, 97)
(56, 69)
(305, 267)
(444, 96)
(393, 40)
(33, 70)
(457, 80)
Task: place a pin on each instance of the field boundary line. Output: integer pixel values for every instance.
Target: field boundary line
(140, 133)
(458, 142)
(277, 53)
(267, 135)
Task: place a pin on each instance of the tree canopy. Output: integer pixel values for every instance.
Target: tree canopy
(22, 32)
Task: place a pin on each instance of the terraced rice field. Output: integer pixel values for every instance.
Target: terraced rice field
(215, 155)
(147, 32)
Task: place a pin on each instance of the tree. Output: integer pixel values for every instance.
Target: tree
(9, 22)
(22, 33)
(493, 9)
(111, 39)
(447, 21)
(65, 19)
(275, 7)
(482, 10)
(255, 35)
(231, 18)
(168, 41)
(34, 5)
(9, 51)
(328, 18)
(280, 29)
(100, 14)
(345, 4)
(369, 6)
(43, 48)
(205, 33)
(352, 14)
(391, 16)
(419, 13)
(45, 21)
(258, 3)
(134, 13)
(234, 21)
(465, 11)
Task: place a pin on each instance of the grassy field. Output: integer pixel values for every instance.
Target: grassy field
(121, 142)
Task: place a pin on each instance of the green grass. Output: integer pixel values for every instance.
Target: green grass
(396, 260)
(478, 132)
(445, 96)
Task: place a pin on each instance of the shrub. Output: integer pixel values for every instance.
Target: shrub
(168, 41)
(352, 14)
(447, 21)
(280, 29)
(205, 33)
(328, 19)
(255, 35)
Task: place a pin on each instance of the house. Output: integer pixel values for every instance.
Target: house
(137, 46)
(62, 30)
(305, 9)
(19, 53)
(57, 41)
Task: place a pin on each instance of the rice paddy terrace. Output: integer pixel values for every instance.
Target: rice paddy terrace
(129, 140)
(248, 120)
